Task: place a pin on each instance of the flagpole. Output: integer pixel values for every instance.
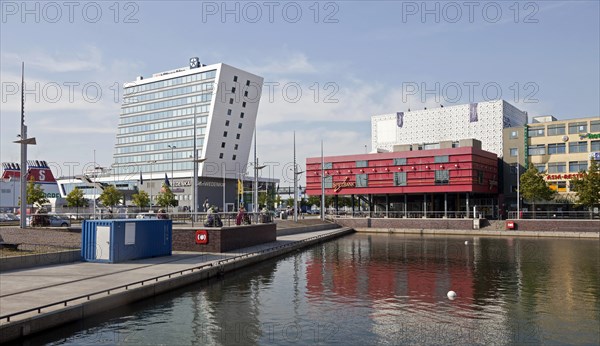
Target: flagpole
(23, 173)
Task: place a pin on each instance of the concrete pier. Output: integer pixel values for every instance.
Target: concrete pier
(40, 298)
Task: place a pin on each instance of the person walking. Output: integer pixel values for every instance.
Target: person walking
(240, 216)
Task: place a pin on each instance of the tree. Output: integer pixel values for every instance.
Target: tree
(35, 194)
(166, 197)
(534, 188)
(314, 200)
(75, 199)
(110, 196)
(265, 198)
(587, 187)
(141, 199)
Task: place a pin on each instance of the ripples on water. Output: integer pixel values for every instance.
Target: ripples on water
(378, 289)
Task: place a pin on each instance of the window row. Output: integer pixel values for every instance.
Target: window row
(559, 148)
(164, 125)
(170, 82)
(169, 93)
(229, 111)
(233, 157)
(561, 129)
(165, 114)
(401, 161)
(442, 177)
(231, 100)
(225, 133)
(154, 157)
(155, 168)
(235, 79)
(561, 167)
(227, 124)
(160, 146)
(159, 136)
(167, 104)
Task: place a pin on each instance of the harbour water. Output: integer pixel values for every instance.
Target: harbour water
(367, 289)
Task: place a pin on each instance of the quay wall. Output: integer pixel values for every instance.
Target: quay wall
(57, 314)
(533, 228)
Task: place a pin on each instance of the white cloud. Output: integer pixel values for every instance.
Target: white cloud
(87, 59)
(296, 63)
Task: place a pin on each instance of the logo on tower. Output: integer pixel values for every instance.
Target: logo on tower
(194, 62)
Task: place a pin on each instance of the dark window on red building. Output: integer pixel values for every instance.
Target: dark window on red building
(362, 180)
(442, 177)
(362, 163)
(400, 178)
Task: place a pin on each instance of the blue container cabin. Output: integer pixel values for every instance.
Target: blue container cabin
(114, 241)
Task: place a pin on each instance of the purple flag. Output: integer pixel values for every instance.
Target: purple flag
(400, 118)
(473, 116)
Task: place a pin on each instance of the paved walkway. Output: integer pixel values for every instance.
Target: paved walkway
(32, 288)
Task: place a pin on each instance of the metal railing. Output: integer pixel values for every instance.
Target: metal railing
(228, 219)
(217, 263)
(581, 215)
(409, 214)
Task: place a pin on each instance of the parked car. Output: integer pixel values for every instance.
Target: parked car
(146, 216)
(59, 221)
(50, 221)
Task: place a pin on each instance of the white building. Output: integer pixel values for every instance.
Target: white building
(155, 138)
(157, 120)
(424, 129)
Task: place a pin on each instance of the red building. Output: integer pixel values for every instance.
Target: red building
(434, 183)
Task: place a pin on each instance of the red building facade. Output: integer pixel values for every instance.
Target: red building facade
(429, 181)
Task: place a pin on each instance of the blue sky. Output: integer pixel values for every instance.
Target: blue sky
(361, 56)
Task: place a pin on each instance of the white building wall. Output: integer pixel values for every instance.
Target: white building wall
(210, 135)
(447, 123)
(218, 118)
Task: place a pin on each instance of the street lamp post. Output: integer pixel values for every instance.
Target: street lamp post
(255, 187)
(172, 170)
(296, 173)
(24, 141)
(95, 182)
(518, 186)
(322, 184)
(195, 185)
(98, 170)
(152, 162)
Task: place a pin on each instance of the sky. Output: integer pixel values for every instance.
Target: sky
(328, 66)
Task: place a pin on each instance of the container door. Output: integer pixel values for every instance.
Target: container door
(103, 243)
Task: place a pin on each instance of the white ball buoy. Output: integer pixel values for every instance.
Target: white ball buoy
(466, 242)
(451, 295)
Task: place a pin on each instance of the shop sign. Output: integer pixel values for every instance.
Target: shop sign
(589, 136)
(182, 183)
(346, 183)
(187, 183)
(566, 176)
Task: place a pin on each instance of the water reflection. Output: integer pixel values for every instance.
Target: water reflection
(389, 289)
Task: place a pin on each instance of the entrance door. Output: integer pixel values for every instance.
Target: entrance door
(103, 243)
